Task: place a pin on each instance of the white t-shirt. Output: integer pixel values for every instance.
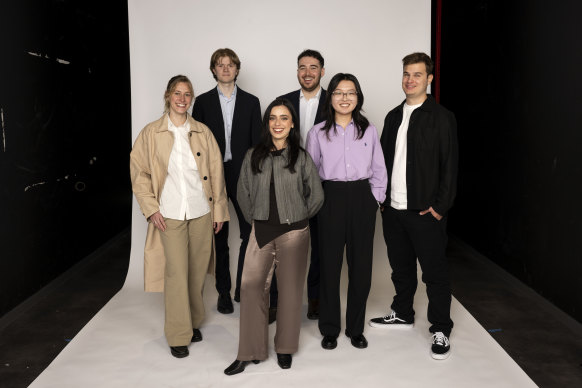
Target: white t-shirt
(398, 192)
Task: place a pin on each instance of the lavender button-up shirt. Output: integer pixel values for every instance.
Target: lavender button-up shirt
(345, 158)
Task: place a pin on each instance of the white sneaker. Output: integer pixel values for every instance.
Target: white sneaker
(391, 321)
(441, 348)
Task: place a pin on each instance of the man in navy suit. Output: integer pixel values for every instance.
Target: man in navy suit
(308, 103)
(234, 117)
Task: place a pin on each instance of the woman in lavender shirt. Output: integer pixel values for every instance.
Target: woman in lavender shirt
(348, 156)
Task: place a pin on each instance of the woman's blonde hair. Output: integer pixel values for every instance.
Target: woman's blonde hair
(172, 83)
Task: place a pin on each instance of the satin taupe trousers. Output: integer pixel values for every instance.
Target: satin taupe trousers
(287, 256)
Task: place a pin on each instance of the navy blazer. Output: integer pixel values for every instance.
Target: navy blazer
(294, 98)
(246, 122)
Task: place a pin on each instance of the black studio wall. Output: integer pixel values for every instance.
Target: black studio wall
(511, 72)
(66, 137)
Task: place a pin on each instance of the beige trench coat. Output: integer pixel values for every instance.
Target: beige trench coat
(149, 160)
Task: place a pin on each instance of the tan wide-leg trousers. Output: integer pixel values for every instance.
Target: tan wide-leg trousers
(287, 256)
(188, 248)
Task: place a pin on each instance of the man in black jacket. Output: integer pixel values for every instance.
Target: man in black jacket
(420, 147)
(308, 103)
(234, 117)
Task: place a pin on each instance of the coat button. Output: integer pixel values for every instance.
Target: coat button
(205, 178)
(197, 153)
(210, 199)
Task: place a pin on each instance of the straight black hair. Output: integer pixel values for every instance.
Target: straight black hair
(360, 121)
(265, 145)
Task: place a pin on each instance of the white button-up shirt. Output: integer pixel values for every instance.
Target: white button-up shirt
(183, 196)
(307, 113)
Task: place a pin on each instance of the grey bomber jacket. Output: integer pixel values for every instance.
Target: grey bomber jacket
(299, 195)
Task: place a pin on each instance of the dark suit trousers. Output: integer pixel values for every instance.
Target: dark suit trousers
(409, 236)
(223, 283)
(312, 276)
(347, 219)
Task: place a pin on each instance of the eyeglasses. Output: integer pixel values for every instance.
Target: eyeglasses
(351, 95)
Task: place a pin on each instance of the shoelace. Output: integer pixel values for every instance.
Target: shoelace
(440, 339)
(391, 317)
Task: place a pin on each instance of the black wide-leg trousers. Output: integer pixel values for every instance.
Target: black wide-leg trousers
(223, 282)
(409, 236)
(347, 219)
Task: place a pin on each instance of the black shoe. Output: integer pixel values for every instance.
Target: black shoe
(313, 309)
(284, 360)
(224, 304)
(237, 367)
(196, 335)
(392, 321)
(441, 347)
(359, 341)
(179, 351)
(272, 314)
(237, 295)
(329, 342)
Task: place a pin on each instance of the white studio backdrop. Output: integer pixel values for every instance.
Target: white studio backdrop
(367, 38)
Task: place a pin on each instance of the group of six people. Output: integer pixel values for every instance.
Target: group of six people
(313, 169)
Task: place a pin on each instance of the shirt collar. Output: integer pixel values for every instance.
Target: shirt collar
(231, 96)
(182, 128)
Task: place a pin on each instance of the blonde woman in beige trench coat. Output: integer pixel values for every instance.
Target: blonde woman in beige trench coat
(178, 180)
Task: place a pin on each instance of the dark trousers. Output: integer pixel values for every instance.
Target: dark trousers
(347, 219)
(223, 283)
(409, 236)
(312, 276)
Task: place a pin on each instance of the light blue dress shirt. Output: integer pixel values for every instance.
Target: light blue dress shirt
(227, 107)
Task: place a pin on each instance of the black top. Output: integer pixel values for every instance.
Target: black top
(431, 157)
(267, 231)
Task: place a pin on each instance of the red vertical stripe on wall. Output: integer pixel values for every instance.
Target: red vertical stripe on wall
(437, 56)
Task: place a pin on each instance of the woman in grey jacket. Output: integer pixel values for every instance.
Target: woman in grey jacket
(278, 191)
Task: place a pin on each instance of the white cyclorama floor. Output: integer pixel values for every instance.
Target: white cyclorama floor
(124, 346)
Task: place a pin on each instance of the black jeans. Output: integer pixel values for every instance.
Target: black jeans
(223, 282)
(409, 236)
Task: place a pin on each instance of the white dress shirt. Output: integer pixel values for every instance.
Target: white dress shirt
(398, 191)
(183, 196)
(307, 113)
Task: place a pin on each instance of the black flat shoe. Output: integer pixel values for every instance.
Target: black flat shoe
(179, 351)
(284, 360)
(224, 304)
(238, 366)
(359, 341)
(196, 335)
(329, 342)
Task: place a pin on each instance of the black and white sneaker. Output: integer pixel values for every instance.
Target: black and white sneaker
(441, 348)
(391, 321)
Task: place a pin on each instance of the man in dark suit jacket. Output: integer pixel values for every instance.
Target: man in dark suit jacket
(234, 117)
(309, 103)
